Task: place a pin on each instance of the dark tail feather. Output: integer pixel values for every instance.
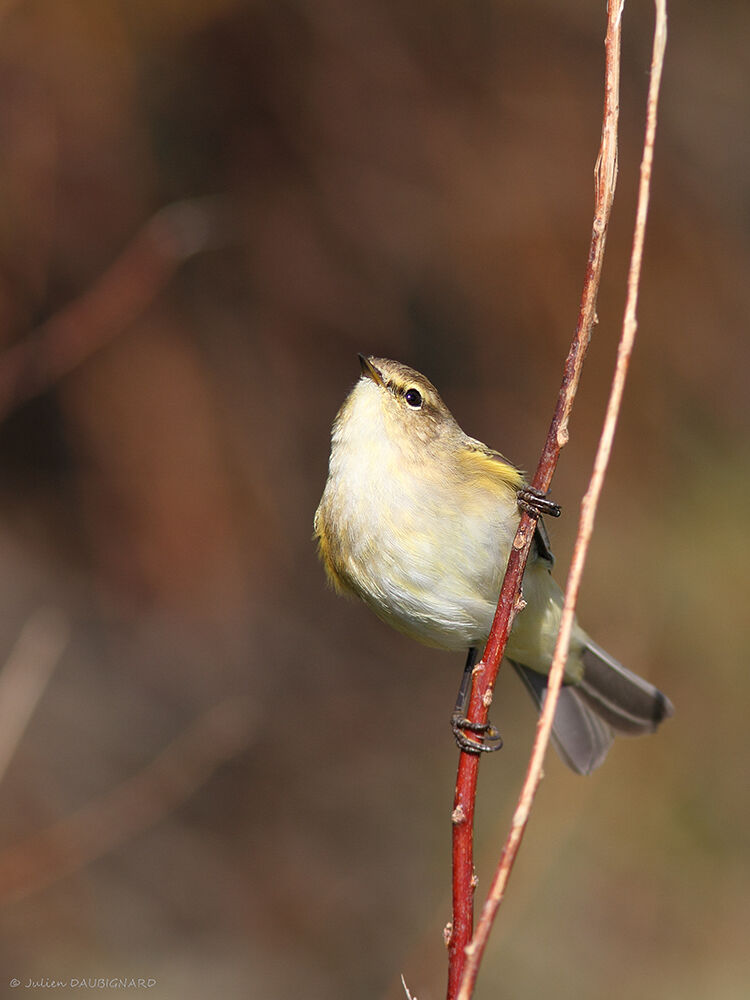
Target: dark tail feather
(623, 699)
(609, 698)
(579, 735)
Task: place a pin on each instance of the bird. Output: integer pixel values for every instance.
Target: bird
(417, 520)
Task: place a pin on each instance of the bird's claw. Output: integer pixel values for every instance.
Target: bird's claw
(535, 502)
(487, 740)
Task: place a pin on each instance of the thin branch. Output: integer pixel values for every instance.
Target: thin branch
(406, 990)
(136, 804)
(25, 676)
(585, 529)
(510, 601)
(54, 349)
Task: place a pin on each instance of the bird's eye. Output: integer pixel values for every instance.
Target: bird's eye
(413, 397)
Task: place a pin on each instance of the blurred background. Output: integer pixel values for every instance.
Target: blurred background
(216, 774)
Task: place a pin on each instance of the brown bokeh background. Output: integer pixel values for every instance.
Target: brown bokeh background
(265, 771)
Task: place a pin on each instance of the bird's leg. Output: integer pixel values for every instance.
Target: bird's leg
(535, 502)
(487, 737)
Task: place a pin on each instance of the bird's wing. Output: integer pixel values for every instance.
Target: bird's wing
(491, 463)
(484, 462)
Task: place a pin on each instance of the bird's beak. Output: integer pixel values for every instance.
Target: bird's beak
(370, 371)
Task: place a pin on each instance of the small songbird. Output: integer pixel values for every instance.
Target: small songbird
(417, 519)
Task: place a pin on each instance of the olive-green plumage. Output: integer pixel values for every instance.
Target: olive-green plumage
(417, 519)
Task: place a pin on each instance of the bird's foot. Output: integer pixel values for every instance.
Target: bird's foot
(487, 738)
(534, 502)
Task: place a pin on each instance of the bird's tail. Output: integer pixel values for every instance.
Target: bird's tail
(608, 699)
(623, 699)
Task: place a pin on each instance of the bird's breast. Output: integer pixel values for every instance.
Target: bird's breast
(413, 539)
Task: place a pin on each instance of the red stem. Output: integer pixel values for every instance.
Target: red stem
(468, 764)
(510, 601)
(475, 950)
